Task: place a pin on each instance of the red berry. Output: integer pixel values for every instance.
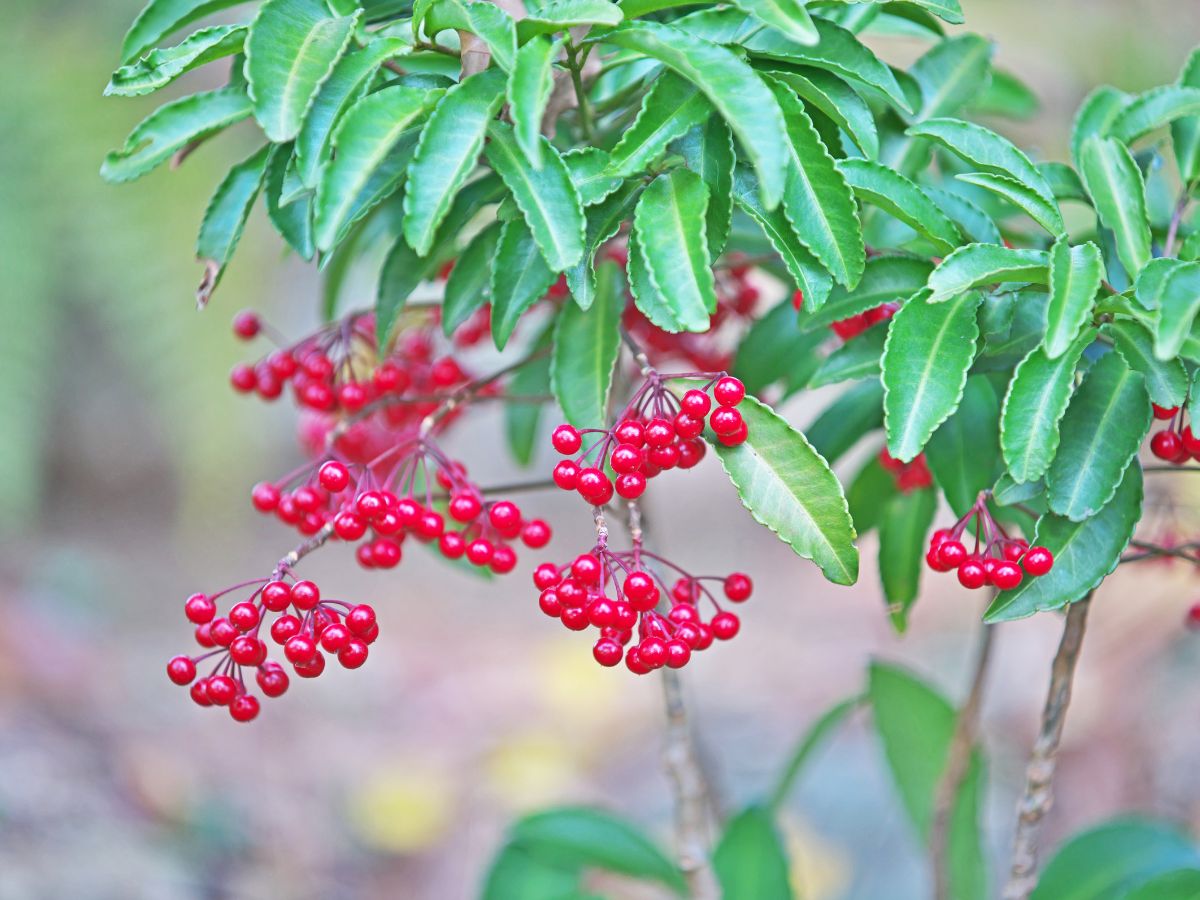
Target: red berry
(354, 654)
(276, 596)
(242, 378)
(951, 554)
(221, 689)
(535, 534)
(464, 507)
(1163, 412)
(312, 668)
(349, 526)
(222, 631)
(630, 431)
(272, 680)
(566, 440)
(244, 708)
(181, 670)
(479, 551)
(729, 391)
(451, 545)
(971, 573)
(199, 693)
(724, 625)
(738, 587)
(664, 457)
(370, 504)
(631, 485)
(1006, 575)
(545, 576)
(305, 594)
(607, 652)
(504, 559)
(659, 432)
(300, 649)
(695, 403)
(265, 497)
(625, 458)
(737, 437)
(1166, 445)
(244, 615)
(550, 604)
(586, 568)
(246, 324)
(602, 612)
(687, 426)
(284, 628)
(247, 651)
(333, 476)
(690, 453)
(505, 517)
(652, 651)
(575, 618)
(335, 637)
(678, 653)
(199, 609)
(725, 420)
(1192, 619)
(361, 619)
(633, 662)
(1037, 561)
(566, 475)
(594, 486)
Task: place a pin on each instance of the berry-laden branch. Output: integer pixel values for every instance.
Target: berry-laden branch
(958, 762)
(1038, 795)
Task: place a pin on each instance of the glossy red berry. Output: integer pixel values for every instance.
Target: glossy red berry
(971, 573)
(625, 458)
(333, 476)
(1006, 575)
(586, 568)
(1166, 445)
(566, 440)
(653, 652)
(221, 689)
(505, 517)
(244, 708)
(181, 670)
(951, 554)
(335, 637)
(312, 668)
(678, 653)
(222, 631)
(724, 625)
(729, 391)
(242, 378)
(246, 324)
(199, 609)
(725, 420)
(305, 595)
(247, 651)
(1037, 561)
(300, 649)
(452, 545)
(272, 680)
(244, 615)
(504, 559)
(695, 403)
(354, 654)
(550, 604)
(631, 432)
(738, 587)
(265, 497)
(631, 485)
(361, 619)
(659, 433)
(607, 652)
(284, 628)
(566, 475)
(464, 507)
(535, 534)
(479, 551)
(1164, 412)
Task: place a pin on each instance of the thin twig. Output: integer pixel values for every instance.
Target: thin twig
(1181, 206)
(958, 763)
(302, 550)
(1038, 795)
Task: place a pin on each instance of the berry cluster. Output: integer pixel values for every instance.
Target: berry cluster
(305, 626)
(656, 431)
(619, 594)
(910, 476)
(853, 326)
(1175, 443)
(996, 559)
(377, 504)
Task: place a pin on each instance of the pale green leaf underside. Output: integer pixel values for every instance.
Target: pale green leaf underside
(159, 68)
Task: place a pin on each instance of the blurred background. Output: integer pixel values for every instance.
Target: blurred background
(126, 464)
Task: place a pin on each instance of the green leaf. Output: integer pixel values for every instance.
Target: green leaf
(885, 279)
(916, 725)
(813, 738)
(162, 17)
(1179, 884)
(1063, 180)
(857, 358)
(520, 277)
(817, 200)
(836, 99)
(896, 195)
(1179, 303)
(646, 296)
(403, 271)
(1115, 185)
(1152, 281)
(1152, 110)
(292, 220)
(346, 85)
(990, 153)
(447, 153)
(975, 265)
(546, 197)
(368, 132)
(952, 74)
(1006, 96)
(1166, 380)
(521, 418)
(670, 221)
(750, 860)
(1095, 117)
(1036, 401)
(868, 494)
(774, 350)
(708, 151)
(1021, 196)
(906, 520)
(225, 217)
(603, 222)
(806, 272)
(1013, 323)
(469, 284)
(789, 488)
(529, 86)
(577, 837)
(586, 345)
(589, 173)
(160, 67)
(515, 874)
(1106, 861)
(1185, 133)
(669, 110)
(838, 51)
(972, 221)
(856, 412)
(172, 127)
(561, 15)
(730, 85)
(486, 21)
(1104, 426)
(788, 17)
(1075, 276)
(963, 452)
(929, 349)
(291, 49)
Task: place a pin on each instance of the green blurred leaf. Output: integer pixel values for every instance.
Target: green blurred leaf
(521, 418)
(858, 411)
(161, 18)
(870, 490)
(560, 15)
(1185, 133)
(774, 350)
(1179, 884)
(896, 195)
(903, 527)
(516, 874)
(813, 738)
(858, 358)
(885, 279)
(1007, 96)
(469, 284)
(1154, 109)
(750, 859)
(1095, 117)
(1179, 304)
(586, 346)
(159, 68)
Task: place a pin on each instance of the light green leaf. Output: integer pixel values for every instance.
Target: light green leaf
(160, 67)
(669, 110)
(1102, 430)
(162, 17)
(806, 272)
(708, 151)
(1075, 276)
(469, 284)
(172, 127)
(814, 738)
(589, 173)
(788, 17)
(979, 264)
(515, 874)
(488, 22)
(1152, 110)
(646, 296)
(868, 494)
(816, 199)
(903, 528)
(520, 277)
(896, 195)
(1185, 133)
(561, 15)
(836, 99)
(1006, 96)
(447, 153)
(1021, 196)
(952, 73)
(774, 351)
(962, 454)
(586, 345)
(1095, 117)
(1036, 401)
(857, 358)
(529, 86)
(856, 412)
(225, 217)
(1115, 185)
(670, 222)
(1178, 884)
(972, 221)
(929, 349)
(546, 197)
(1064, 182)
(1179, 303)
(1166, 380)
(885, 279)
(603, 222)
(368, 132)
(788, 487)
(292, 220)
(732, 87)
(347, 84)
(750, 859)
(290, 51)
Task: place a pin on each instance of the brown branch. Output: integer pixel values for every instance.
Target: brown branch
(1038, 796)
(302, 550)
(958, 762)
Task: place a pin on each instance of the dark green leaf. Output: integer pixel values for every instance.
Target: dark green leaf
(841, 103)
(1179, 304)
(788, 17)
(586, 345)
(856, 412)
(1075, 276)
(486, 21)
(588, 167)
(869, 493)
(516, 874)
(469, 284)
(521, 418)
(560, 15)
(775, 350)
(1166, 380)
(529, 86)
(750, 859)
(962, 454)
(708, 151)
(520, 277)
(1185, 133)
(1179, 884)
(972, 221)
(1021, 196)
(292, 220)
(603, 222)
(403, 270)
(857, 358)
(896, 195)
(906, 520)
(1036, 401)
(885, 279)
(669, 110)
